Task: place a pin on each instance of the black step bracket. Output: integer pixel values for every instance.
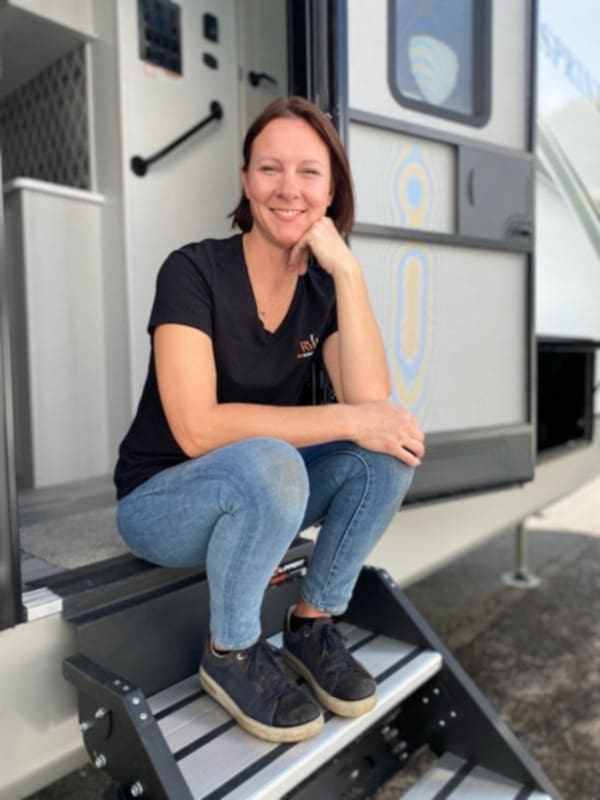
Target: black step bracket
(427, 717)
(477, 733)
(120, 733)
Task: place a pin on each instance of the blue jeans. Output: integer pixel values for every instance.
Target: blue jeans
(236, 510)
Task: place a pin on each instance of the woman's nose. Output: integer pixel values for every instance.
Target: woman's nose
(288, 185)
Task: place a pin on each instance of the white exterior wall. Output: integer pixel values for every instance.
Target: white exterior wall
(60, 260)
(568, 192)
(186, 196)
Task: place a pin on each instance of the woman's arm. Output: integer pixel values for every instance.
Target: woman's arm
(354, 356)
(187, 383)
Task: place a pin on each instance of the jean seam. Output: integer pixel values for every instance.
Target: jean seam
(336, 557)
(230, 579)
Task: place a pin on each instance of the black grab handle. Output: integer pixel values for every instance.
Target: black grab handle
(140, 165)
(256, 78)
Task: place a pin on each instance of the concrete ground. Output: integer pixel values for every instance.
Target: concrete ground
(535, 653)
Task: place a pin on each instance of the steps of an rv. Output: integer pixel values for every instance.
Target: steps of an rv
(158, 735)
(453, 778)
(219, 759)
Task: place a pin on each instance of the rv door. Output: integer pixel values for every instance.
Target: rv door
(435, 106)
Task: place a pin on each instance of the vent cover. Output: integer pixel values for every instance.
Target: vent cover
(44, 126)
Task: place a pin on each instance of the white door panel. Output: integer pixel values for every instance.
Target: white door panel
(402, 181)
(368, 79)
(454, 326)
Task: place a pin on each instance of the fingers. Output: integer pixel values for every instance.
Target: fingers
(298, 258)
(323, 240)
(412, 447)
(409, 458)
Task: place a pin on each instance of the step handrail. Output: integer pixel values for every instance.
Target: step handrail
(140, 165)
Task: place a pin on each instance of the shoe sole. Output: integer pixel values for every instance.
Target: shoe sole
(343, 708)
(296, 733)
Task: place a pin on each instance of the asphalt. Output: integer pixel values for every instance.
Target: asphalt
(535, 653)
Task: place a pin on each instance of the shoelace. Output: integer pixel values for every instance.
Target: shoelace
(264, 668)
(332, 643)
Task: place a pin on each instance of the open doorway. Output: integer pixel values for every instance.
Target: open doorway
(85, 236)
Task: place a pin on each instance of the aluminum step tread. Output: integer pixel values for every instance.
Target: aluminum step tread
(217, 758)
(453, 778)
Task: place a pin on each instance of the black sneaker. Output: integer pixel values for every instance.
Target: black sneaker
(252, 686)
(317, 652)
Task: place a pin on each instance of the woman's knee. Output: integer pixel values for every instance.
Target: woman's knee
(391, 477)
(275, 477)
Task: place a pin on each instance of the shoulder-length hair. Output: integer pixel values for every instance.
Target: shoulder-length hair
(341, 209)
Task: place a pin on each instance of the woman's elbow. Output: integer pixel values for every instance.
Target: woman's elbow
(193, 442)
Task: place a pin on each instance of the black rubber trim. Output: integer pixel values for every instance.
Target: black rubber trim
(208, 737)
(454, 781)
(398, 665)
(247, 773)
(179, 704)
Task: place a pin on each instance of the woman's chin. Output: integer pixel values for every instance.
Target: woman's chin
(284, 239)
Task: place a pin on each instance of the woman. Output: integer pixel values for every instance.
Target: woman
(222, 466)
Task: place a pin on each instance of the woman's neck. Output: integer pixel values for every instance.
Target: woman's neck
(272, 283)
(265, 261)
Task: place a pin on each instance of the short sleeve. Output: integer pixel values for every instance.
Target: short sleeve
(183, 294)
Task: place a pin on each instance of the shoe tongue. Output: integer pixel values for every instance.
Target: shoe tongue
(322, 622)
(325, 629)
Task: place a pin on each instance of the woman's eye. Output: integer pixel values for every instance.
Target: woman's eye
(311, 172)
(268, 168)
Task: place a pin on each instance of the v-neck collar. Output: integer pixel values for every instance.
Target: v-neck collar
(265, 334)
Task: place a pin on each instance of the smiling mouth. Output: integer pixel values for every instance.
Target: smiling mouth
(287, 213)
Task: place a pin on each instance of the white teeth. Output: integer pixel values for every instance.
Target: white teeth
(286, 213)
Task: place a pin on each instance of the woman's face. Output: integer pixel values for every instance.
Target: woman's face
(288, 181)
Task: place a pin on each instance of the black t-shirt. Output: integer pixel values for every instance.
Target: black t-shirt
(206, 285)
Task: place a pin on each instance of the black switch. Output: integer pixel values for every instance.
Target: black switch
(211, 27)
(210, 61)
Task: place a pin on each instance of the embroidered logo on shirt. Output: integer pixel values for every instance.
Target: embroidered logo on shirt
(308, 346)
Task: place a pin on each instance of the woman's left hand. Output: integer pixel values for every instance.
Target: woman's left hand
(323, 240)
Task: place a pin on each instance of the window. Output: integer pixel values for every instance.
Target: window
(439, 57)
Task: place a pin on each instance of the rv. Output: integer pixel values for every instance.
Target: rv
(472, 131)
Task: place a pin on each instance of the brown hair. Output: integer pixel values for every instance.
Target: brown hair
(341, 209)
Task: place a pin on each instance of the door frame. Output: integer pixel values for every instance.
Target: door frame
(11, 608)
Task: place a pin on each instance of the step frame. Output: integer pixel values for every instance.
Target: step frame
(474, 731)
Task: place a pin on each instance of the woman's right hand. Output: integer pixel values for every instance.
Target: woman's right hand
(386, 428)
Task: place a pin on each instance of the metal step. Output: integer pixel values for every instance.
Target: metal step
(453, 778)
(217, 758)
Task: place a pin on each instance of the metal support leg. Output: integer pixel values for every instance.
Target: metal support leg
(521, 578)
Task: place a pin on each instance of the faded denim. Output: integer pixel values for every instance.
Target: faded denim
(236, 510)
